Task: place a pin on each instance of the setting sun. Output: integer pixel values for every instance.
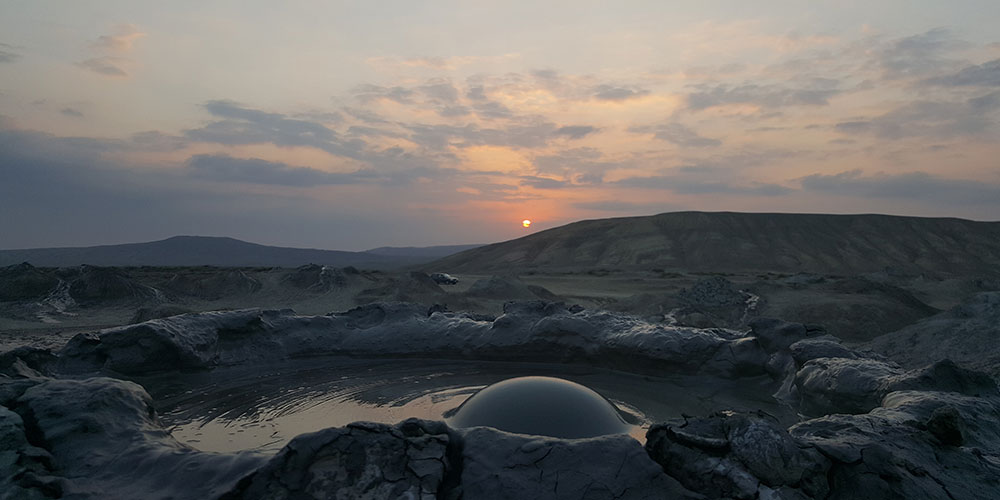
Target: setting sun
(526, 223)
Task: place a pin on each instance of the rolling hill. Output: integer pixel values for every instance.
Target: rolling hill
(214, 251)
(740, 242)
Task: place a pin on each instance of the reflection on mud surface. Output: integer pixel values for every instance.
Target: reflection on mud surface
(262, 407)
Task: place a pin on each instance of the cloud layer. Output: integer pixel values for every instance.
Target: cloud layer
(444, 142)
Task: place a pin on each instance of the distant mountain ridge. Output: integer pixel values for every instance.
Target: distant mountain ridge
(733, 242)
(431, 252)
(212, 251)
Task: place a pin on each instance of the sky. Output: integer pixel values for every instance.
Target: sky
(352, 125)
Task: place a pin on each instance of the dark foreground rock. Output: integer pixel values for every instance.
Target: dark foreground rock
(362, 460)
(743, 456)
(499, 465)
(144, 314)
(426, 460)
(820, 376)
(99, 438)
(842, 385)
(917, 445)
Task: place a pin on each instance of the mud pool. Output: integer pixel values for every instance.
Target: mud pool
(262, 407)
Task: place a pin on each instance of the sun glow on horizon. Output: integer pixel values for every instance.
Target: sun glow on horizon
(526, 223)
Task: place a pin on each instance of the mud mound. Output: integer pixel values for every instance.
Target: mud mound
(413, 287)
(317, 278)
(213, 283)
(92, 285)
(418, 285)
(508, 288)
(25, 282)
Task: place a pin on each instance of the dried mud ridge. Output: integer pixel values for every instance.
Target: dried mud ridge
(876, 429)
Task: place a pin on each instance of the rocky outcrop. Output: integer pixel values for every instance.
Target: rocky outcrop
(99, 438)
(499, 465)
(776, 335)
(832, 385)
(917, 444)
(362, 460)
(737, 455)
(144, 314)
(427, 460)
(714, 292)
(854, 309)
(24, 468)
(930, 445)
(805, 350)
(842, 385)
(968, 334)
(820, 376)
(714, 302)
(527, 331)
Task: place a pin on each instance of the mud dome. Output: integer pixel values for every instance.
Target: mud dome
(542, 406)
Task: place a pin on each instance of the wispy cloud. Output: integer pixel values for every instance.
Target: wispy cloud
(107, 66)
(918, 55)
(911, 185)
(438, 63)
(255, 171)
(618, 206)
(237, 124)
(114, 49)
(587, 165)
(8, 54)
(575, 131)
(981, 75)
(71, 112)
(976, 116)
(544, 182)
(369, 92)
(764, 96)
(682, 184)
(121, 40)
(616, 93)
(676, 133)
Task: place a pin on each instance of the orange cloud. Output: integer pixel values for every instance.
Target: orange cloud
(121, 41)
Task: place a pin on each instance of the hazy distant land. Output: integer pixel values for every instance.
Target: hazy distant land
(222, 252)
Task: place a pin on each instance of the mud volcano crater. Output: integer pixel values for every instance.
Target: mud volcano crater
(264, 406)
(270, 404)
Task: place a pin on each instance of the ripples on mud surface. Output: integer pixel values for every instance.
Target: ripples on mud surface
(262, 407)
